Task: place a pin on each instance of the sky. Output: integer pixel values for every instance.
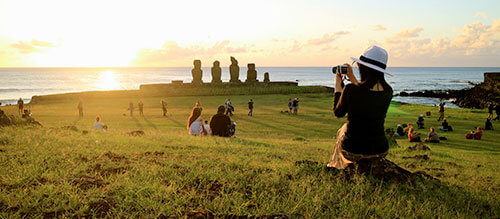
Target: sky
(109, 33)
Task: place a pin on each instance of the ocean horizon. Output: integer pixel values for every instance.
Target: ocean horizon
(21, 82)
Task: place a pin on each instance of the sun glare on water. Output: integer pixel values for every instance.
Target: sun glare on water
(108, 81)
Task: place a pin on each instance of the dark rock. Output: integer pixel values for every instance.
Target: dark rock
(234, 70)
(197, 72)
(251, 73)
(136, 133)
(216, 72)
(85, 132)
(418, 147)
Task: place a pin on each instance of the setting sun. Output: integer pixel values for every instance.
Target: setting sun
(108, 81)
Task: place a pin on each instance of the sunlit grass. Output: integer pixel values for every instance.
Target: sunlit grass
(50, 171)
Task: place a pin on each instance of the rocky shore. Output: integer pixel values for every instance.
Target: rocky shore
(477, 97)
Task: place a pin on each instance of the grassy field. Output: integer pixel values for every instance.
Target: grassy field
(51, 171)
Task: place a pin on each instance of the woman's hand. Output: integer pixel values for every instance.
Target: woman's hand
(350, 74)
(338, 83)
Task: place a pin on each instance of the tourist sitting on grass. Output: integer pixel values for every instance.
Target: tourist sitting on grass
(26, 113)
(195, 122)
(413, 136)
(363, 135)
(488, 125)
(420, 121)
(220, 124)
(433, 136)
(207, 127)
(99, 126)
(400, 131)
(476, 135)
(446, 127)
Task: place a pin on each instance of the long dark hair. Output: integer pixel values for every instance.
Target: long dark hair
(194, 115)
(369, 77)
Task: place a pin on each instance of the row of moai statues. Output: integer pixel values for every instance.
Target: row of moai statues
(234, 71)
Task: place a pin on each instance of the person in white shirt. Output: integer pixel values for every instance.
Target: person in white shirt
(98, 125)
(207, 127)
(195, 122)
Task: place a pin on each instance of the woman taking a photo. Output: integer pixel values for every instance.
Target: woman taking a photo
(366, 104)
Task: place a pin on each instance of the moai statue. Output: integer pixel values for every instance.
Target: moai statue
(216, 72)
(197, 72)
(251, 73)
(266, 77)
(234, 70)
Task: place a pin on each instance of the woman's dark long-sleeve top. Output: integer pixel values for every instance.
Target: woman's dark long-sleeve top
(365, 120)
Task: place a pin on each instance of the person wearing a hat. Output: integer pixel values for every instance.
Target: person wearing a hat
(365, 103)
(420, 121)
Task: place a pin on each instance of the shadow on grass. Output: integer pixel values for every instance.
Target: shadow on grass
(137, 122)
(175, 122)
(149, 123)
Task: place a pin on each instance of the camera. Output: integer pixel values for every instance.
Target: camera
(342, 69)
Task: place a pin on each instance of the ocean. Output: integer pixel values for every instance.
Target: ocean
(27, 82)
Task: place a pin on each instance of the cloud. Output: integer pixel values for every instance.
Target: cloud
(296, 47)
(481, 14)
(474, 42)
(327, 38)
(172, 53)
(379, 27)
(28, 47)
(405, 35)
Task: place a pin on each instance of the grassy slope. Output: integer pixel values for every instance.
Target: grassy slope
(50, 171)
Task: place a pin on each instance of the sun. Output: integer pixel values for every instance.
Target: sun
(108, 81)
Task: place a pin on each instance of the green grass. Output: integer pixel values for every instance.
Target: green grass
(49, 171)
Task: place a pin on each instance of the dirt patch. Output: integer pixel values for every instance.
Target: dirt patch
(87, 182)
(114, 157)
(418, 147)
(306, 162)
(108, 171)
(274, 156)
(156, 153)
(70, 127)
(136, 133)
(418, 157)
(210, 188)
(207, 214)
(101, 207)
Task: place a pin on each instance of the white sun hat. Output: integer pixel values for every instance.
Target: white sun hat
(375, 58)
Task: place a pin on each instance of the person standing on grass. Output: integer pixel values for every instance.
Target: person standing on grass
(229, 107)
(490, 110)
(80, 108)
(295, 105)
(164, 107)
(141, 107)
(441, 111)
(250, 107)
(20, 105)
(131, 108)
(290, 105)
(497, 109)
(366, 104)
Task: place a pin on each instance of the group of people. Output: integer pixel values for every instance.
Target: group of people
(220, 123)
(293, 105)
